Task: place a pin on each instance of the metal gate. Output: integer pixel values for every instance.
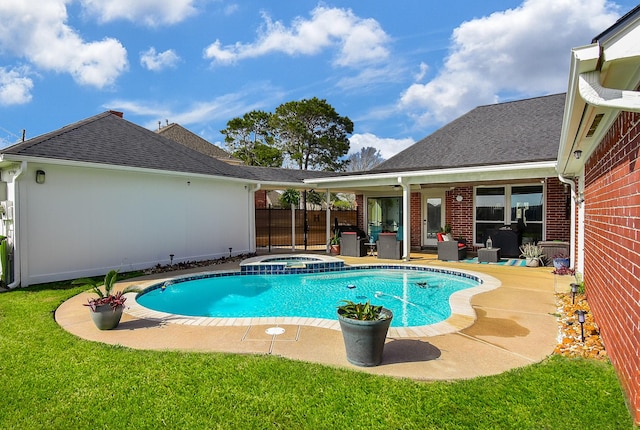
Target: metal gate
(273, 227)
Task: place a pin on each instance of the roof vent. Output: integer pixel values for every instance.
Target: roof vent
(594, 124)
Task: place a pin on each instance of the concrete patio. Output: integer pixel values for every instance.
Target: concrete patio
(515, 326)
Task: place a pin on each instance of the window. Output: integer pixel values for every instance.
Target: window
(525, 214)
(384, 214)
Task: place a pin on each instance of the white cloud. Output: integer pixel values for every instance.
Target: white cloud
(157, 61)
(359, 41)
(522, 51)
(387, 147)
(15, 86)
(149, 12)
(41, 36)
(222, 108)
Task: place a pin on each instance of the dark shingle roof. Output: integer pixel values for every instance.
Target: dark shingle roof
(109, 139)
(505, 133)
(191, 140)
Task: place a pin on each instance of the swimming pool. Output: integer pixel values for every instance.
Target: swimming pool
(417, 295)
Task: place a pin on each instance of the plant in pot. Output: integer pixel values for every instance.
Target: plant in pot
(334, 243)
(561, 260)
(106, 309)
(532, 253)
(364, 329)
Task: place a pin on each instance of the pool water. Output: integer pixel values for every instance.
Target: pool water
(416, 298)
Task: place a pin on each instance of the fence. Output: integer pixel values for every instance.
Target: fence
(273, 226)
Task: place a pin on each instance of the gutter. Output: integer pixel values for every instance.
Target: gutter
(597, 95)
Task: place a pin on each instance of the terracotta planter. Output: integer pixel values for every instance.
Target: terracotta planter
(334, 249)
(105, 317)
(364, 340)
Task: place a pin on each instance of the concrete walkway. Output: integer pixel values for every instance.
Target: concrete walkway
(514, 326)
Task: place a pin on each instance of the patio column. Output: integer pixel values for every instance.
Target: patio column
(327, 199)
(406, 220)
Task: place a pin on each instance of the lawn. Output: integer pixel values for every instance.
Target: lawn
(51, 379)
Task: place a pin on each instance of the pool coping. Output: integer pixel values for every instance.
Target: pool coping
(462, 313)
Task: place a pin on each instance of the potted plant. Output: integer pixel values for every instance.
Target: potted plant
(106, 309)
(334, 243)
(561, 260)
(532, 254)
(364, 329)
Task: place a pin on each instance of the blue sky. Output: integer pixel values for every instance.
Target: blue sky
(399, 70)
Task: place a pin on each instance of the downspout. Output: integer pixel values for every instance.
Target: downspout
(17, 249)
(406, 217)
(252, 216)
(574, 205)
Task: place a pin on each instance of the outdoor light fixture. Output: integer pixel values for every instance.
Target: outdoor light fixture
(40, 176)
(577, 153)
(459, 198)
(581, 320)
(574, 290)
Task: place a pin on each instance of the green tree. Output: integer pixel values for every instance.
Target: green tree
(250, 138)
(312, 134)
(289, 198)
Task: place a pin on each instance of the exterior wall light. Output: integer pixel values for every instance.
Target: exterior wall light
(40, 176)
(577, 153)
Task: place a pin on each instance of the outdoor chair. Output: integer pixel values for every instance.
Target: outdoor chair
(389, 246)
(449, 249)
(352, 245)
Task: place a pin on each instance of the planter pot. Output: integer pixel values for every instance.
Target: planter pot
(532, 262)
(334, 249)
(105, 317)
(364, 340)
(559, 263)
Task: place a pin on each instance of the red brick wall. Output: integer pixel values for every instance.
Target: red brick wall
(460, 214)
(416, 220)
(260, 198)
(557, 218)
(612, 247)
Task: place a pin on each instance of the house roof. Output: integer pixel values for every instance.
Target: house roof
(109, 139)
(504, 133)
(191, 140)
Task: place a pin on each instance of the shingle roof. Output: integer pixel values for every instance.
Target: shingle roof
(191, 140)
(109, 139)
(513, 132)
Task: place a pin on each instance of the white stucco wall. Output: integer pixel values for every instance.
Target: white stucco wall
(85, 221)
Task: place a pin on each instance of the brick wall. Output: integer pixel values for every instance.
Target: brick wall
(557, 211)
(416, 220)
(260, 198)
(460, 214)
(612, 247)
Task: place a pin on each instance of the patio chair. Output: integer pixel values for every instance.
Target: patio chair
(450, 250)
(389, 246)
(352, 245)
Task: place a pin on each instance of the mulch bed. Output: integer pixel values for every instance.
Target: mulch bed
(570, 343)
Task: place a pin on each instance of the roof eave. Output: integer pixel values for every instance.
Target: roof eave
(498, 172)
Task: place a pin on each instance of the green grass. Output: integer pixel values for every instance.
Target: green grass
(51, 379)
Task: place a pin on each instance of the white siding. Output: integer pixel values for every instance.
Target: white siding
(85, 221)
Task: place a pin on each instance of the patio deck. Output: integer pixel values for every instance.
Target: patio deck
(515, 327)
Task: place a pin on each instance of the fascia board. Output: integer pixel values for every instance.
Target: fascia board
(461, 174)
